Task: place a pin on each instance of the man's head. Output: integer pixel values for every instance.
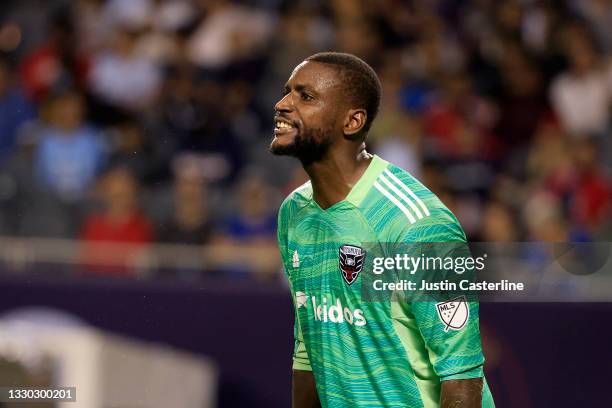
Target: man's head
(329, 98)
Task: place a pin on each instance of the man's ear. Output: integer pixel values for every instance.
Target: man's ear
(355, 121)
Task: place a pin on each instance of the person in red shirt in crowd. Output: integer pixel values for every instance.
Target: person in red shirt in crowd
(116, 236)
(56, 64)
(592, 194)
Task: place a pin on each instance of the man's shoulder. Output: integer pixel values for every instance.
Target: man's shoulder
(400, 204)
(297, 199)
(397, 188)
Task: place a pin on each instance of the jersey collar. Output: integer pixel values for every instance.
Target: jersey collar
(366, 181)
(361, 188)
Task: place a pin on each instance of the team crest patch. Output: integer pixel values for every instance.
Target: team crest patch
(351, 262)
(454, 313)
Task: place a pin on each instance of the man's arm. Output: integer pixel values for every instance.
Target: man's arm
(304, 390)
(455, 354)
(461, 393)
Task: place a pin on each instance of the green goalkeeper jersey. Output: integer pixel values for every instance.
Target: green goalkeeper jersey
(371, 353)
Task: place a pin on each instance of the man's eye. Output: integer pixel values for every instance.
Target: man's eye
(306, 97)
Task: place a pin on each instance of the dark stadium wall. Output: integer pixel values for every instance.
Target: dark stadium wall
(538, 354)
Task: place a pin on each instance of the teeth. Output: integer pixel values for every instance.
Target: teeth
(283, 125)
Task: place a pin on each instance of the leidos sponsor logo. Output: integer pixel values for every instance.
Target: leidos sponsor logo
(331, 312)
(336, 313)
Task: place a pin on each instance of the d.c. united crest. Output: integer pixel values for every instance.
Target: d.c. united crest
(350, 261)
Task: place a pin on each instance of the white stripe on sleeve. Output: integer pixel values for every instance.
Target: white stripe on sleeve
(408, 190)
(395, 201)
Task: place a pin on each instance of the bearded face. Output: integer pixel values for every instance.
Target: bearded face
(308, 112)
(308, 146)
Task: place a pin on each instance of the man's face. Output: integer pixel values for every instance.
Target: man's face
(309, 114)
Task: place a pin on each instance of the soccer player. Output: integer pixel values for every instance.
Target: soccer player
(348, 352)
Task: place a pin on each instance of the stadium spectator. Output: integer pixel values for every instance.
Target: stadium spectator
(57, 64)
(498, 224)
(592, 190)
(582, 95)
(121, 77)
(189, 223)
(91, 26)
(119, 222)
(251, 229)
(70, 152)
(15, 110)
(397, 132)
(121, 219)
(184, 110)
(523, 100)
(543, 216)
(132, 149)
(132, 14)
(598, 13)
(228, 33)
(254, 221)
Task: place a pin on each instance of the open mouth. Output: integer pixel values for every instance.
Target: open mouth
(282, 127)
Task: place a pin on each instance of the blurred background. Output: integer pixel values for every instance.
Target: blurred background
(138, 199)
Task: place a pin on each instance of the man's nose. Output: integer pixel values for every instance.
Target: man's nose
(284, 105)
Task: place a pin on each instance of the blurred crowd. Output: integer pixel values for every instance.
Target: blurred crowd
(147, 121)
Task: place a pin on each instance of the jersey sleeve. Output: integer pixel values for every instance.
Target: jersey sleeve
(454, 354)
(300, 355)
(282, 232)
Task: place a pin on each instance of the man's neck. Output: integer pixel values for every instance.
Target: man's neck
(334, 176)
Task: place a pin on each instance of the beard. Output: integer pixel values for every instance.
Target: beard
(308, 147)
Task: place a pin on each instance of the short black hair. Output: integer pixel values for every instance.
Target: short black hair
(361, 83)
